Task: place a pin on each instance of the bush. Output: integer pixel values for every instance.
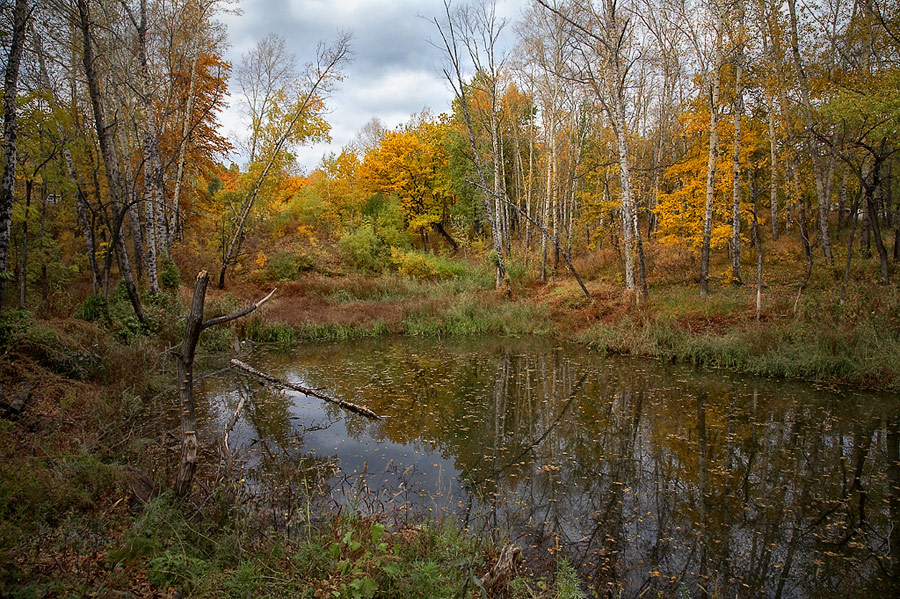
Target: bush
(422, 265)
(363, 248)
(169, 275)
(94, 309)
(286, 266)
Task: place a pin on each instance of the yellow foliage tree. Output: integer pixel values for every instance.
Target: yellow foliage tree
(412, 164)
(683, 190)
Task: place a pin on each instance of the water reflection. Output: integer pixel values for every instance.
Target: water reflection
(651, 478)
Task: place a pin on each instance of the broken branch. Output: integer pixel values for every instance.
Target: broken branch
(361, 410)
(223, 319)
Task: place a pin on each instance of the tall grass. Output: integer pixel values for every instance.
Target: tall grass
(861, 354)
(471, 313)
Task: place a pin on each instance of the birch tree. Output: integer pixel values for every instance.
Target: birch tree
(320, 78)
(21, 14)
(605, 53)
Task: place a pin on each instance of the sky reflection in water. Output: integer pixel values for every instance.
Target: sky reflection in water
(649, 477)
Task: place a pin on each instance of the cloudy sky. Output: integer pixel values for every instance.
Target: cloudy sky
(395, 71)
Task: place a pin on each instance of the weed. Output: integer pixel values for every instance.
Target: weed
(260, 331)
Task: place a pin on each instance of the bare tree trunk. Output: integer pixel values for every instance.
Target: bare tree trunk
(849, 250)
(110, 161)
(529, 189)
(154, 192)
(872, 210)
(801, 207)
(488, 29)
(842, 202)
(21, 14)
(151, 206)
(773, 168)
(628, 212)
(758, 240)
(736, 156)
(45, 282)
(812, 143)
(545, 216)
(866, 232)
(176, 230)
(23, 282)
(187, 465)
(137, 236)
(84, 219)
(714, 86)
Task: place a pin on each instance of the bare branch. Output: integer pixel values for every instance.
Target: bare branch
(228, 317)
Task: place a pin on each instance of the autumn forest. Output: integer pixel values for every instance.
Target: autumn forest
(705, 182)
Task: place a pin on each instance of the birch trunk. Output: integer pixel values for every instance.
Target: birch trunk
(110, 160)
(812, 143)
(714, 87)
(23, 281)
(152, 230)
(21, 14)
(736, 170)
(175, 230)
(628, 216)
(496, 217)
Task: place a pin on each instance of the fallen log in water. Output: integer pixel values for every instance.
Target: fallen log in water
(361, 410)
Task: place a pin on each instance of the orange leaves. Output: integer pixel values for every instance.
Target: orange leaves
(412, 165)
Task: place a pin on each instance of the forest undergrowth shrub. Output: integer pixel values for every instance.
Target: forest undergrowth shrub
(94, 308)
(425, 265)
(363, 249)
(287, 266)
(169, 275)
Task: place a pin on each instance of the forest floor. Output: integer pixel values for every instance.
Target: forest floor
(75, 457)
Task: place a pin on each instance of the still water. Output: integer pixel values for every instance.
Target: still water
(650, 478)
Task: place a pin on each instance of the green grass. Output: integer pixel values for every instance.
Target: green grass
(346, 556)
(338, 332)
(470, 314)
(820, 345)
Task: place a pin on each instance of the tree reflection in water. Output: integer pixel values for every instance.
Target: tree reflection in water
(651, 478)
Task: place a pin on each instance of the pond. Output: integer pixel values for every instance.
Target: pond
(651, 478)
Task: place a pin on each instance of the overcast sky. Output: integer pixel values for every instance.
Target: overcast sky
(395, 71)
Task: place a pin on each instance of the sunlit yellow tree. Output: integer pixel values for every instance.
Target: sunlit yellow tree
(682, 198)
(412, 164)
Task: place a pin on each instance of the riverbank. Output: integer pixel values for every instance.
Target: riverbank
(817, 338)
(95, 421)
(88, 456)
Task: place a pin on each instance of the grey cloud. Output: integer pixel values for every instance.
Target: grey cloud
(395, 68)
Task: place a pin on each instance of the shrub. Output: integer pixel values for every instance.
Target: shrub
(169, 275)
(423, 265)
(94, 309)
(363, 248)
(286, 266)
